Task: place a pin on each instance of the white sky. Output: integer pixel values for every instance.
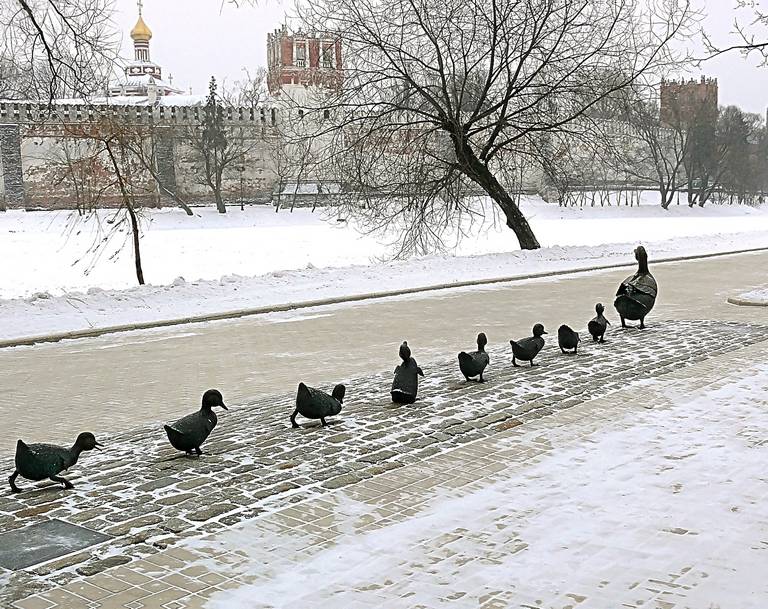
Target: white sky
(194, 39)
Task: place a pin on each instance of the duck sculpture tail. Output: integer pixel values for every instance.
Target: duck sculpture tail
(22, 449)
(174, 436)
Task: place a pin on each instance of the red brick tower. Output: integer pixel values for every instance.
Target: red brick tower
(685, 102)
(302, 59)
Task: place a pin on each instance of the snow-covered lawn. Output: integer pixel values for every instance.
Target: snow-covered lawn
(49, 250)
(254, 258)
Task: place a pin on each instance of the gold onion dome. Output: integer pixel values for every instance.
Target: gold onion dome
(141, 31)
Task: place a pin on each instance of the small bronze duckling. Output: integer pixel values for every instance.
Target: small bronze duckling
(40, 461)
(474, 363)
(188, 433)
(405, 385)
(568, 339)
(528, 348)
(315, 404)
(598, 325)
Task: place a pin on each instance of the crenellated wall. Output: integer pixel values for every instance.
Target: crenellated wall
(45, 150)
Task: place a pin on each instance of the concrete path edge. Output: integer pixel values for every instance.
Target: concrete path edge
(305, 304)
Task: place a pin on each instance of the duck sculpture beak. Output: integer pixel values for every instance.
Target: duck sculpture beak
(223, 406)
(98, 445)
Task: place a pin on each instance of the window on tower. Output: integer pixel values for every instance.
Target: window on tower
(328, 56)
(301, 55)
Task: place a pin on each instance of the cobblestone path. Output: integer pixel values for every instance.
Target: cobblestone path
(149, 501)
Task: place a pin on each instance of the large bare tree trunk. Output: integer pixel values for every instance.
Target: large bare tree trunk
(131, 213)
(479, 173)
(136, 247)
(222, 209)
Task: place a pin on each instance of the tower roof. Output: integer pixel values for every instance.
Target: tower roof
(140, 31)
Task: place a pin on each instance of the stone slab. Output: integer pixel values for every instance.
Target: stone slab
(44, 541)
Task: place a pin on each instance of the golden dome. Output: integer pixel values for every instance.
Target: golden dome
(140, 31)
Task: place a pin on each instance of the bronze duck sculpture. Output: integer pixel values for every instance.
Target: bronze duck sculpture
(637, 293)
(598, 325)
(528, 348)
(189, 432)
(568, 339)
(40, 461)
(405, 385)
(312, 403)
(474, 363)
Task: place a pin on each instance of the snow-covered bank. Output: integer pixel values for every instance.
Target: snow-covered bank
(47, 251)
(255, 259)
(45, 314)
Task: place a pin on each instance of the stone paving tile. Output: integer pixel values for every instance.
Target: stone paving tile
(258, 463)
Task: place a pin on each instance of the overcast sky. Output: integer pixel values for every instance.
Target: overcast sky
(194, 39)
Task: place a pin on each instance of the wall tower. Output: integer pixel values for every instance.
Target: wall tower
(683, 102)
(297, 60)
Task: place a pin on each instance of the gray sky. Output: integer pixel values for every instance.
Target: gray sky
(194, 39)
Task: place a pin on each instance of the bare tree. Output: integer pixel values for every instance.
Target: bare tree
(658, 151)
(750, 30)
(444, 99)
(56, 48)
(249, 92)
(104, 162)
(740, 147)
(220, 146)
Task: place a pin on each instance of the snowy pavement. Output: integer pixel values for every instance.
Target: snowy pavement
(212, 264)
(653, 497)
(93, 382)
(557, 486)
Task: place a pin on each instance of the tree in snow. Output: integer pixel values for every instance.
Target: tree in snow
(220, 145)
(750, 29)
(443, 100)
(56, 48)
(100, 163)
(655, 151)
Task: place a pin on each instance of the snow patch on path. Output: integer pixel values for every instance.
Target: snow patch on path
(758, 296)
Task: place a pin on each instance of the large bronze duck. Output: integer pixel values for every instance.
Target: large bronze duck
(40, 461)
(637, 294)
(405, 385)
(315, 404)
(528, 348)
(188, 433)
(598, 325)
(474, 363)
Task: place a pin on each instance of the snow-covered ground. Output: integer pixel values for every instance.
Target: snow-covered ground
(660, 508)
(211, 263)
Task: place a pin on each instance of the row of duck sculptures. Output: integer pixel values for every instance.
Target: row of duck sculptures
(634, 300)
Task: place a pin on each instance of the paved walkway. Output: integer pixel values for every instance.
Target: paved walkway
(123, 381)
(545, 487)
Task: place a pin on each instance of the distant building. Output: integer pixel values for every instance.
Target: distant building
(683, 102)
(142, 77)
(299, 60)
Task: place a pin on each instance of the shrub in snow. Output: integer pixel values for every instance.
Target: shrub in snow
(39, 296)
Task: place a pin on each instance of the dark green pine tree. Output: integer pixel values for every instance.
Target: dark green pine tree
(214, 143)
